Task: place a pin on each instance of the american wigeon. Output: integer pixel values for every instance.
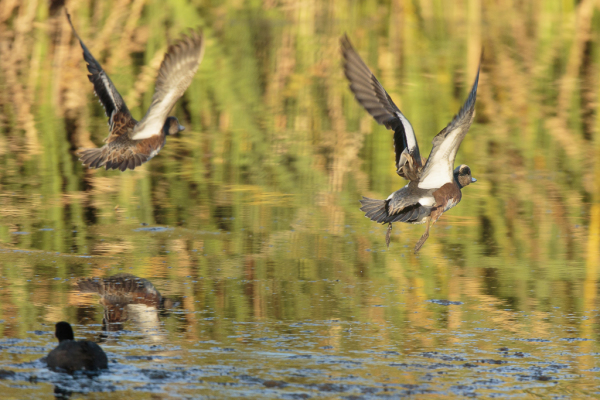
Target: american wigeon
(131, 143)
(435, 185)
(71, 355)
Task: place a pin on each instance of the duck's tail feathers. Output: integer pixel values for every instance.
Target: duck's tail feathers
(111, 159)
(375, 210)
(92, 158)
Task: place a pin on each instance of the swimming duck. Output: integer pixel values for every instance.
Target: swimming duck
(131, 143)
(435, 185)
(128, 297)
(71, 355)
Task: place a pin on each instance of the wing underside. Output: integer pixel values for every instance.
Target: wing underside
(174, 77)
(440, 165)
(373, 97)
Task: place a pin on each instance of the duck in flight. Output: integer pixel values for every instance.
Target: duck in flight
(434, 184)
(131, 143)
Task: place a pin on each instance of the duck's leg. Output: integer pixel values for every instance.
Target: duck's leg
(388, 234)
(436, 214)
(431, 220)
(423, 238)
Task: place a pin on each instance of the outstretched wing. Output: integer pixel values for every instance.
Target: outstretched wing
(105, 90)
(373, 97)
(175, 75)
(440, 165)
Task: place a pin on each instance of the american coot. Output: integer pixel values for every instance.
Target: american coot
(434, 187)
(132, 143)
(126, 297)
(71, 355)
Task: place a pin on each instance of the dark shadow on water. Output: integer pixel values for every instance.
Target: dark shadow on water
(455, 252)
(487, 236)
(222, 216)
(90, 213)
(491, 281)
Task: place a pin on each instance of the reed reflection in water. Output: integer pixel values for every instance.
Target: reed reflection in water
(250, 218)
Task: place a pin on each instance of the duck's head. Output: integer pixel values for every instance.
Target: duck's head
(64, 331)
(462, 174)
(172, 126)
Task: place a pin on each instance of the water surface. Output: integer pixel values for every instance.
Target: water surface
(248, 221)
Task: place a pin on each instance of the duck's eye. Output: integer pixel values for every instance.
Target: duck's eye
(466, 171)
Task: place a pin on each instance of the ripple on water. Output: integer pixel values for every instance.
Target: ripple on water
(153, 229)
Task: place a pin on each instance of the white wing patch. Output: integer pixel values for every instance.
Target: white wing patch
(154, 120)
(147, 130)
(427, 201)
(441, 171)
(437, 177)
(155, 117)
(409, 132)
(108, 87)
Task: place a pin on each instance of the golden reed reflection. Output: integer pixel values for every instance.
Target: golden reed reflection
(261, 191)
(590, 288)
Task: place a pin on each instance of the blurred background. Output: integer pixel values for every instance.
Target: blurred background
(251, 214)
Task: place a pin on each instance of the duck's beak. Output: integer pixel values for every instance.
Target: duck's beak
(473, 180)
(181, 128)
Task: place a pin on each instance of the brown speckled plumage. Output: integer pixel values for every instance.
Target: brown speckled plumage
(131, 143)
(119, 292)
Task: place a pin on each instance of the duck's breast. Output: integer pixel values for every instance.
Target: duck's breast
(151, 146)
(447, 196)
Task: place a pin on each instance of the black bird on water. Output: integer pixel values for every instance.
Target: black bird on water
(71, 355)
(435, 185)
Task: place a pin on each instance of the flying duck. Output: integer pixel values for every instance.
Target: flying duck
(434, 184)
(71, 355)
(131, 143)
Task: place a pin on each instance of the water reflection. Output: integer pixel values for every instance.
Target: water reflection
(126, 297)
(250, 216)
